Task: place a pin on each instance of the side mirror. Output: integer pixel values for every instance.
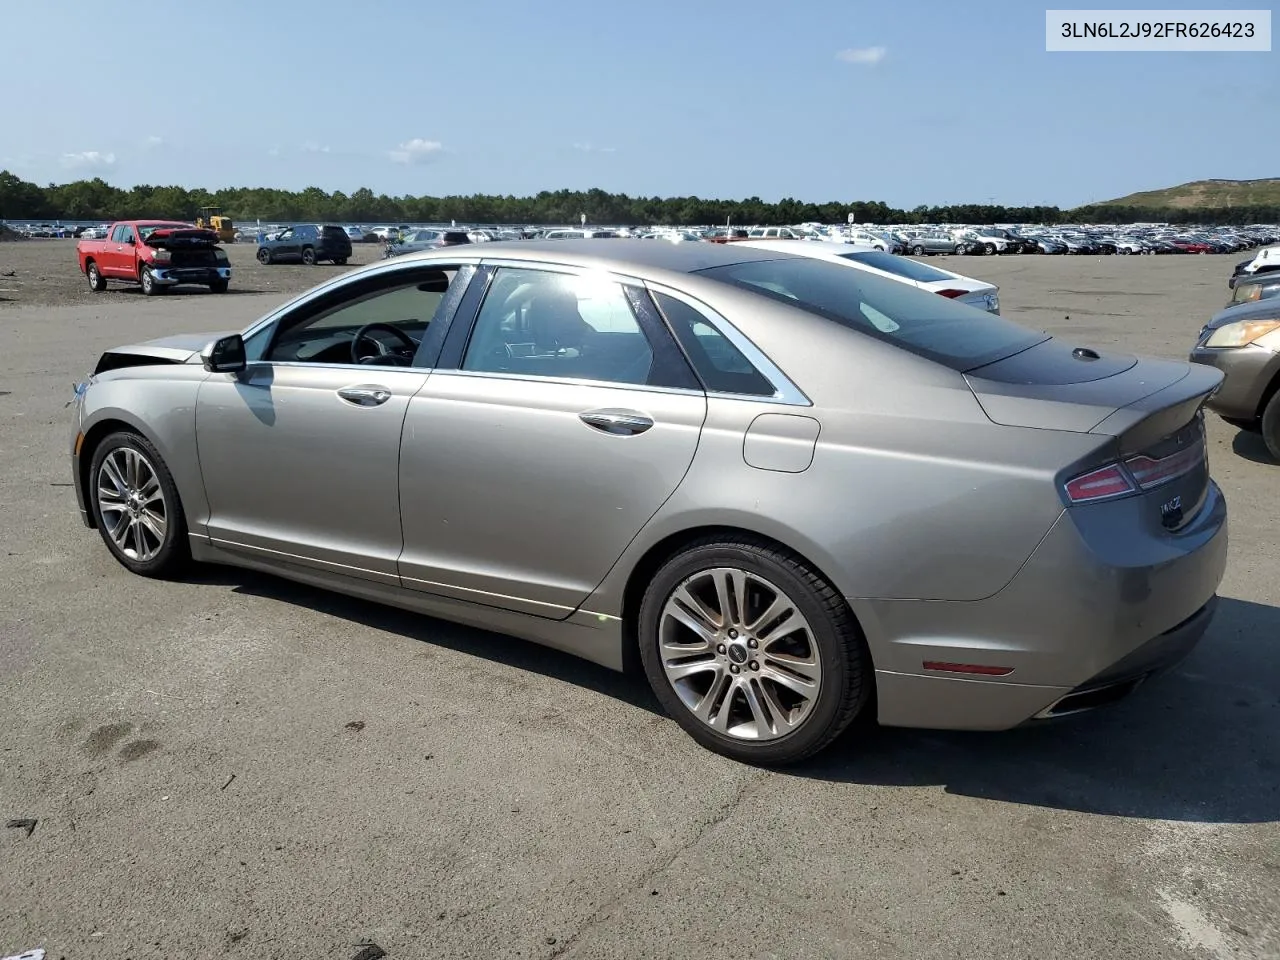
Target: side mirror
(225, 355)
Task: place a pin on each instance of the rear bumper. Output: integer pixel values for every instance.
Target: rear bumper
(1074, 620)
(171, 276)
(1247, 372)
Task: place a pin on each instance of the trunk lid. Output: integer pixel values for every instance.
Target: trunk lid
(1145, 412)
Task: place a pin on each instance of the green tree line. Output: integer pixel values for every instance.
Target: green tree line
(96, 199)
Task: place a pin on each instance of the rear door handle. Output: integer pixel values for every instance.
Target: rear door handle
(623, 423)
(365, 396)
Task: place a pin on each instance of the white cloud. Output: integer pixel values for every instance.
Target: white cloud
(154, 141)
(88, 160)
(416, 151)
(312, 147)
(273, 152)
(587, 147)
(865, 55)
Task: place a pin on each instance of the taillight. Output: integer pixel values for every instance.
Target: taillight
(952, 294)
(1099, 484)
(1152, 473)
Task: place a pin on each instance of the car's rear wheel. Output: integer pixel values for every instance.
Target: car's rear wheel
(148, 280)
(264, 256)
(752, 651)
(136, 508)
(340, 261)
(1271, 426)
(918, 250)
(309, 256)
(97, 282)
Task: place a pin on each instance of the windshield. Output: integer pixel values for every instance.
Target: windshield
(934, 327)
(898, 266)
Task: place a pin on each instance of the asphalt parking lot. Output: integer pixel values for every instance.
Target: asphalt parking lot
(238, 766)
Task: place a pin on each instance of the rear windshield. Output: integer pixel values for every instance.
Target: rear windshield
(934, 327)
(898, 266)
(451, 237)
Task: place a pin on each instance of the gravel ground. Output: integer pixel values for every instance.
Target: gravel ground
(237, 766)
(46, 273)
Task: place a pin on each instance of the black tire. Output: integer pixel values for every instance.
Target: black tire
(847, 678)
(148, 280)
(97, 282)
(340, 261)
(917, 250)
(264, 256)
(175, 552)
(219, 286)
(309, 256)
(989, 249)
(1271, 426)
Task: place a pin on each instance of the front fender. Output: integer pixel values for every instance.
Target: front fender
(158, 403)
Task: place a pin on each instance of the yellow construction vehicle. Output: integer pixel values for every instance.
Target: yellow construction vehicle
(211, 218)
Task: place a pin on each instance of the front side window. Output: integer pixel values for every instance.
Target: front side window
(340, 332)
(959, 336)
(569, 326)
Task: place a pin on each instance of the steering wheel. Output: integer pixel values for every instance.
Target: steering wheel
(396, 358)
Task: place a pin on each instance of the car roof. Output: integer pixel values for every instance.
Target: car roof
(806, 247)
(619, 255)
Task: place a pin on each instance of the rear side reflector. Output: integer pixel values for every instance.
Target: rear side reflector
(974, 668)
(1109, 481)
(952, 294)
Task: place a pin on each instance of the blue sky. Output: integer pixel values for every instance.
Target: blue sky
(906, 102)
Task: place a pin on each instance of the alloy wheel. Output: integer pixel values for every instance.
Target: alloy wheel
(131, 504)
(739, 654)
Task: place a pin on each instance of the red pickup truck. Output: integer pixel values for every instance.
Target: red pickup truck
(157, 254)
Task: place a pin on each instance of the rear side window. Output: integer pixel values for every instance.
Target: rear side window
(336, 232)
(898, 266)
(923, 323)
(719, 363)
(459, 237)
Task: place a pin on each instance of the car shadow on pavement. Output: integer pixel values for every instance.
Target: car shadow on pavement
(1250, 446)
(439, 633)
(1201, 743)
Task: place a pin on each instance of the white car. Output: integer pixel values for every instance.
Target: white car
(975, 293)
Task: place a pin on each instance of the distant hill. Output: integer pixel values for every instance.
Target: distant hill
(1208, 193)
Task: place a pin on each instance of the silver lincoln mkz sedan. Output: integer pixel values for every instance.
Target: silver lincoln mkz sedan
(792, 491)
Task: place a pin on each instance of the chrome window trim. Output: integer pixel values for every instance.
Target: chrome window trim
(367, 367)
(574, 381)
(785, 390)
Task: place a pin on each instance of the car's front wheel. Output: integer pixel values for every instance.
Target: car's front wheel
(135, 506)
(309, 256)
(1271, 426)
(752, 651)
(219, 286)
(148, 280)
(97, 282)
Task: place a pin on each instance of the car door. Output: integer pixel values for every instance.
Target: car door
(548, 435)
(300, 451)
(286, 245)
(121, 253)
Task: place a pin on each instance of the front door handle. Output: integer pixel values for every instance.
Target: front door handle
(623, 423)
(365, 396)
